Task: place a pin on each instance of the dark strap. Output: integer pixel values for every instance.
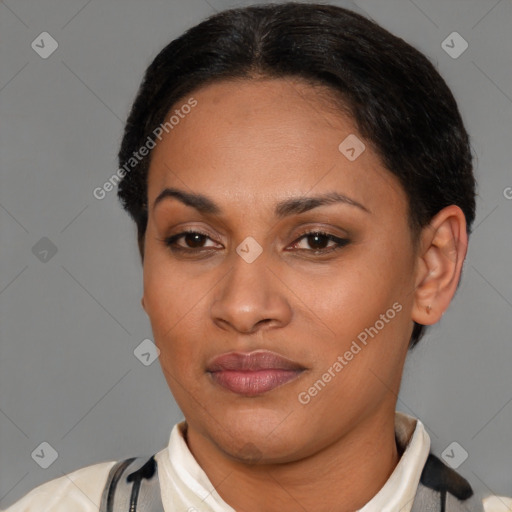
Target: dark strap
(132, 486)
(442, 489)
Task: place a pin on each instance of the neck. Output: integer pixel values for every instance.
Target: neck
(342, 477)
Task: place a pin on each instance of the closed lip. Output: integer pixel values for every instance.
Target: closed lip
(252, 374)
(252, 361)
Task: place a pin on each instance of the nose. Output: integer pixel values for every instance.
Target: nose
(250, 298)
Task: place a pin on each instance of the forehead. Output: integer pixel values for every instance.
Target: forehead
(254, 142)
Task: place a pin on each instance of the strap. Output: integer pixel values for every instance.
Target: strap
(132, 486)
(442, 489)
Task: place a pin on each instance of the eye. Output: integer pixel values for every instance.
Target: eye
(194, 242)
(193, 239)
(318, 240)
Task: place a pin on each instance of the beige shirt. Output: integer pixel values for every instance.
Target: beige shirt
(185, 486)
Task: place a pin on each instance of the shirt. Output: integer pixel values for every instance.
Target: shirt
(185, 486)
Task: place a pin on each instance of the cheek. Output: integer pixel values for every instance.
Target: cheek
(170, 302)
(366, 297)
(166, 292)
(177, 305)
(349, 293)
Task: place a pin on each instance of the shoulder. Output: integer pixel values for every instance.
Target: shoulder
(437, 476)
(455, 491)
(498, 504)
(79, 491)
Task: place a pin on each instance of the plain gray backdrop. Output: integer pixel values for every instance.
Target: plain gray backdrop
(71, 280)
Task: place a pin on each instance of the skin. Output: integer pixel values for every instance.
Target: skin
(248, 145)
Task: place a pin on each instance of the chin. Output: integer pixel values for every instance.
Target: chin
(261, 453)
(260, 437)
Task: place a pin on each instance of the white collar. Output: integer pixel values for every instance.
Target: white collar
(399, 490)
(185, 486)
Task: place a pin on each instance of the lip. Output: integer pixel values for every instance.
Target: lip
(252, 373)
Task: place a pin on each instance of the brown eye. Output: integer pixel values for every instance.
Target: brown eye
(318, 240)
(193, 240)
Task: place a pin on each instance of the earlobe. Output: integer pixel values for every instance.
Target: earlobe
(440, 259)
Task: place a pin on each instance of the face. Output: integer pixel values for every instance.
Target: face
(282, 318)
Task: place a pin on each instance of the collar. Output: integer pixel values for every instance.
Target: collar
(399, 490)
(186, 486)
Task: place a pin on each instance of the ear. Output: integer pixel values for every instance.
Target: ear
(441, 254)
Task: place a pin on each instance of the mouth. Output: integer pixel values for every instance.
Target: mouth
(253, 373)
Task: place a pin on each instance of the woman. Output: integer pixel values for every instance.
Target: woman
(301, 182)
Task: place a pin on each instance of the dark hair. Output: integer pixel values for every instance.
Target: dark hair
(400, 104)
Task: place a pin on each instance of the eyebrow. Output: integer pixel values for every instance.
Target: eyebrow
(285, 208)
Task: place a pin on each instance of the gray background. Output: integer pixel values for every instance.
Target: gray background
(69, 325)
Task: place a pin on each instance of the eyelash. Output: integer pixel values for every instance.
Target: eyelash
(340, 242)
